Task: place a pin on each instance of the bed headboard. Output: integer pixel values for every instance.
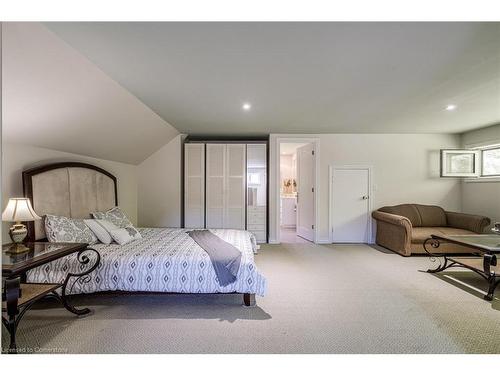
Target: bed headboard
(67, 189)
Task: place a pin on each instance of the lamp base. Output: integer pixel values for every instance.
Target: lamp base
(17, 248)
(18, 233)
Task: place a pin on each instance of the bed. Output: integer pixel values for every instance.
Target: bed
(163, 260)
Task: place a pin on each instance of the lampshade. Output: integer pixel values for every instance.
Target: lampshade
(19, 209)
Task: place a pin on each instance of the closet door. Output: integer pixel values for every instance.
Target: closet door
(234, 217)
(215, 185)
(194, 185)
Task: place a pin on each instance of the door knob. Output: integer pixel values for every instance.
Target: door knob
(365, 197)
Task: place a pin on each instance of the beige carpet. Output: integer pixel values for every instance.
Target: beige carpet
(321, 299)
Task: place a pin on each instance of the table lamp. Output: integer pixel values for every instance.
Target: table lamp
(17, 210)
(496, 228)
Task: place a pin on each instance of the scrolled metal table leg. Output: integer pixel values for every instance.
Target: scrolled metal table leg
(83, 259)
(488, 261)
(434, 243)
(12, 295)
(491, 288)
(493, 283)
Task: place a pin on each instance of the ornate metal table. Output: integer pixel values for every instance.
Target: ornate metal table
(18, 296)
(484, 250)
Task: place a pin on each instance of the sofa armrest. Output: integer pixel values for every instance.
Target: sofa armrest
(474, 223)
(392, 219)
(393, 232)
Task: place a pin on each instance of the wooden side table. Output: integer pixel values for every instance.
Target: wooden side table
(18, 295)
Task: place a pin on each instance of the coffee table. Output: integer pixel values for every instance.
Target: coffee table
(484, 250)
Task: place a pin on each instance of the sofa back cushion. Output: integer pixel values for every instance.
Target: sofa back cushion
(431, 216)
(419, 215)
(407, 210)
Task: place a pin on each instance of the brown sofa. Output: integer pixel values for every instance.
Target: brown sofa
(405, 227)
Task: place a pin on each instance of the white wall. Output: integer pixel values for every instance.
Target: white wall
(482, 198)
(481, 136)
(150, 193)
(405, 170)
(16, 158)
(159, 187)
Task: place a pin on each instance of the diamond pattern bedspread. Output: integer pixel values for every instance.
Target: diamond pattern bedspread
(164, 260)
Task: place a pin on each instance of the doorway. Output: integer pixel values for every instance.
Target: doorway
(350, 204)
(297, 183)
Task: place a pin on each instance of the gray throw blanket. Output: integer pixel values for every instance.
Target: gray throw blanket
(225, 257)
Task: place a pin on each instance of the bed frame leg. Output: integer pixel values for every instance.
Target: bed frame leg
(249, 299)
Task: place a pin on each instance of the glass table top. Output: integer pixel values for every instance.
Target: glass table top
(34, 254)
(35, 250)
(485, 241)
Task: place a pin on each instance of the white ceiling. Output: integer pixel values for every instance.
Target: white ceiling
(302, 77)
(53, 97)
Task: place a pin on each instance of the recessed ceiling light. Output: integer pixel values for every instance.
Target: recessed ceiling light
(246, 106)
(451, 107)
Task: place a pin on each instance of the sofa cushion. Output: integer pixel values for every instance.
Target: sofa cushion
(407, 210)
(420, 234)
(449, 231)
(431, 216)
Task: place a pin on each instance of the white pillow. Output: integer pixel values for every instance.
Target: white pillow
(125, 235)
(106, 231)
(101, 229)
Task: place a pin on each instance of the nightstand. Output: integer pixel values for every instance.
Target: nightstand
(18, 295)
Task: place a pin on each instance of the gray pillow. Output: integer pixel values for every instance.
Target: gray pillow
(115, 215)
(65, 229)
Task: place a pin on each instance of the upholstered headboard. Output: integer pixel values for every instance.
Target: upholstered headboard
(67, 189)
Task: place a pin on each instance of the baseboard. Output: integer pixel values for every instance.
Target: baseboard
(323, 241)
(355, 243)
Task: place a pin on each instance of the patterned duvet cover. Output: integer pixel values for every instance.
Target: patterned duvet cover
(164, 260)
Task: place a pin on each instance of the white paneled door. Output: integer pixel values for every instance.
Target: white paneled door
(225, 186)
(350, 208)
(216, 160)
(235, 209)
(305, 191)
(194, 185)
(257, 190)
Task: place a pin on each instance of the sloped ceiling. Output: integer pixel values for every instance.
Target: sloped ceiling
(303, 77)
(53, 97)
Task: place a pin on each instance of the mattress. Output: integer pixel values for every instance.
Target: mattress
(164, 260)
